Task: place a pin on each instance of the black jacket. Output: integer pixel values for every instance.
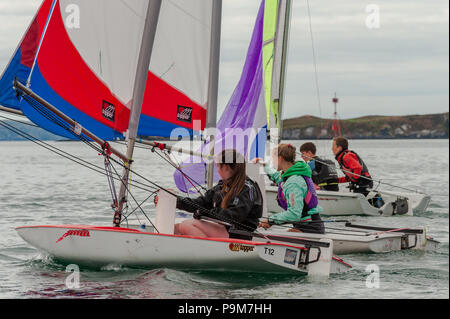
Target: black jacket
(243, 212)
(325, 172)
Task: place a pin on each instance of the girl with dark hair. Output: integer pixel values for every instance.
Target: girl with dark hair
(296, 192)
(236, 199)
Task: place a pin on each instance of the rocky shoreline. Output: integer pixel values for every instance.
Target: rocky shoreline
(430, 126)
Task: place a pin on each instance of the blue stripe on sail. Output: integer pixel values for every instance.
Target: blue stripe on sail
(41, 88)
(15, 69)
(150, 126)
(258, 148)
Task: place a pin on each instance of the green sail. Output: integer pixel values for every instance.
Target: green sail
(269, 33)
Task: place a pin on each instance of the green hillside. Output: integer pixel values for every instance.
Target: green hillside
(411, 126)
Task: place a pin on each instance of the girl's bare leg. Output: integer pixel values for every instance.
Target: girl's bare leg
(200, 228)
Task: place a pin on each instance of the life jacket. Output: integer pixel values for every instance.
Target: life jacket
(251, 193)
(364, 171)
(327, 171)
(309, 202)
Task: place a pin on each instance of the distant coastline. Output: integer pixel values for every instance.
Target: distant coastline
(430, 126)
(34, 131)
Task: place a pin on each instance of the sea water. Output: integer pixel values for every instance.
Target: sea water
(38, 187)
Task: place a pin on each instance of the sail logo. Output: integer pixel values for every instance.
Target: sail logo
(184, 114)
(240, 247)
(108, 111)
(79, 233)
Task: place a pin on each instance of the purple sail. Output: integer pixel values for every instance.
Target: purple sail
(245, 114)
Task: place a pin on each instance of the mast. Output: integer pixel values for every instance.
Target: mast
(151, 23)
(287, 23)
(216, 25)
(279, 55)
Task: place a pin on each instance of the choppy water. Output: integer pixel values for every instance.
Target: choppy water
(38, 187)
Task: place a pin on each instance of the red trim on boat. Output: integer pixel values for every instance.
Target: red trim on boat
(135, 231)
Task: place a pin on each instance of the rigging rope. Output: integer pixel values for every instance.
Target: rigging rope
(316, 73)
(58, 121)
(139, 205)
(18, 121)
(177, 166)
(152, 193)
(72, 158)
(55, 119)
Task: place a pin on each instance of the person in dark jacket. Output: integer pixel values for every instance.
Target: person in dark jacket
(236, 200)
(324, 173)
(354, 168)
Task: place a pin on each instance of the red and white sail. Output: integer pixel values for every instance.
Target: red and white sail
(85, 62)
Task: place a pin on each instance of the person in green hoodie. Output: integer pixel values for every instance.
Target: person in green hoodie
(296, 192)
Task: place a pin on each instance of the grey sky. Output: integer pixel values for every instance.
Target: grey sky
(400, 68)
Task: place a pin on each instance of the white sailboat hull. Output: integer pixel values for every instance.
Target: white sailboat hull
(350, 244)
(101, 246)
(344, 204)
(352, 240)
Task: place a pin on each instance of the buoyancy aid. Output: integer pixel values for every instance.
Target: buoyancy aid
(364, 171)
(243, 212)
(309, 202)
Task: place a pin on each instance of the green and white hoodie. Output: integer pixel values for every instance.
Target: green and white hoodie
(294, 190)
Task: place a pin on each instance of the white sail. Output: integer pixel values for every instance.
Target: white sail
(87, 58)
(182, 47)
(107, 34)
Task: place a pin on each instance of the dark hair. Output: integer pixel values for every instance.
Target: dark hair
(287, 152)
(233, 186)
(308, 147)
(342, 142)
